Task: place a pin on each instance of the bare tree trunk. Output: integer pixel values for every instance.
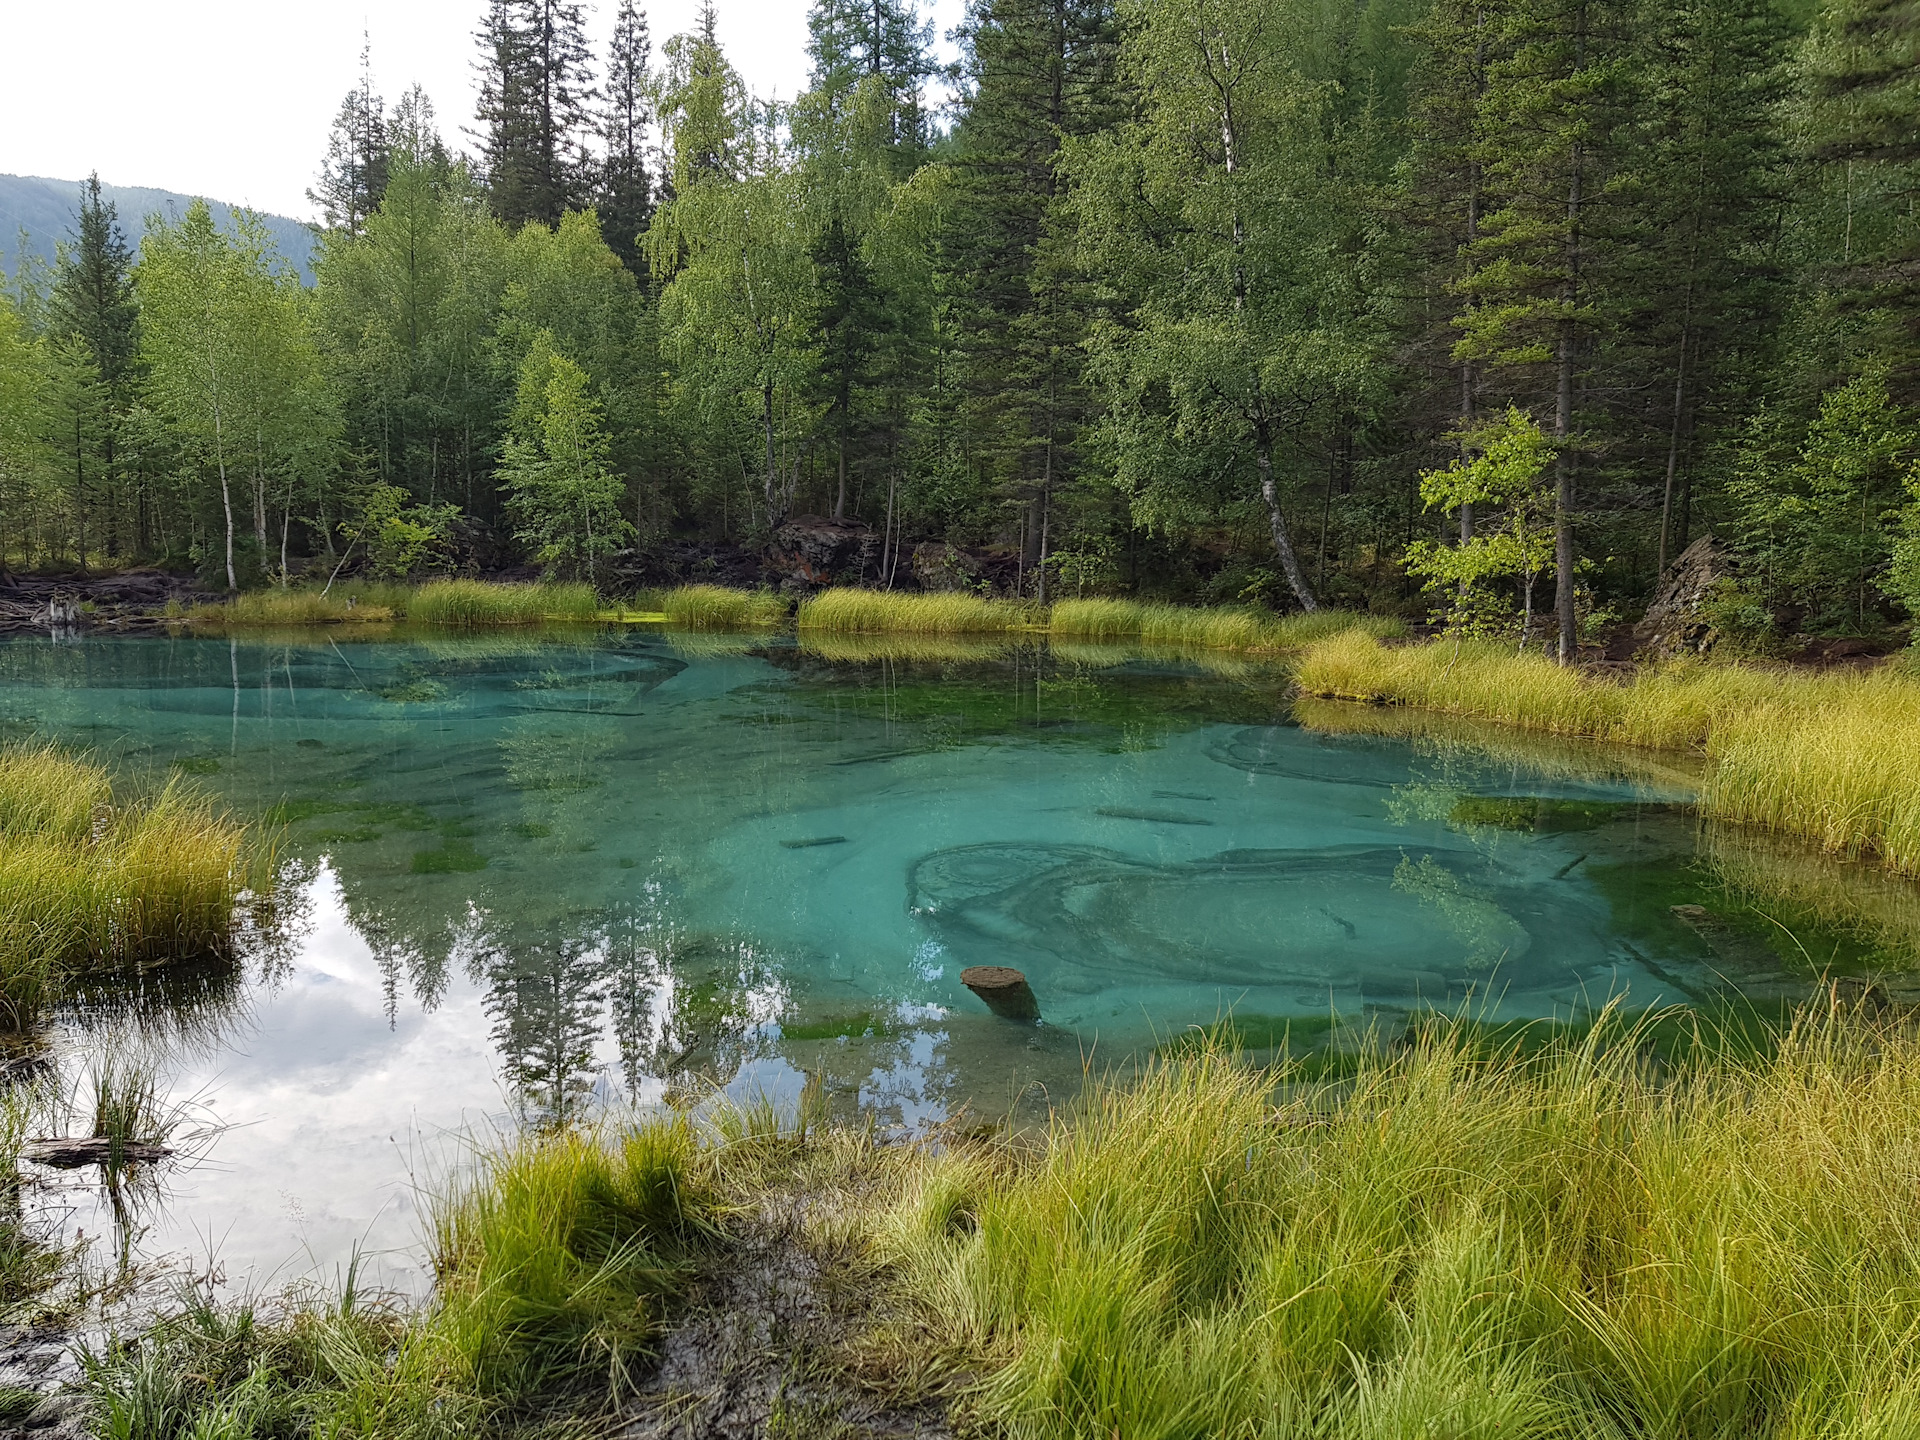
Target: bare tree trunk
(1563, 429)
(774, 517)
(1277, 522)
(226, 496)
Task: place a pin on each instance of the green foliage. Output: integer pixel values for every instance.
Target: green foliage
(1811, 517)
(1503, 470)
(562, 493)
(401, 540)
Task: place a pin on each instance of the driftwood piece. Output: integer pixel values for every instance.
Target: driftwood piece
(1004, 990)
(70, 1152)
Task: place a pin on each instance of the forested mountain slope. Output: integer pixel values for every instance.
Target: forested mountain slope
(47, 210)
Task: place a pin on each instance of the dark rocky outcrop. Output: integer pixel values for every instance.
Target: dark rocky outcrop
(1677, 623)
(809, 552)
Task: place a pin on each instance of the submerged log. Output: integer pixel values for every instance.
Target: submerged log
(69, 1152)
(1004, 990)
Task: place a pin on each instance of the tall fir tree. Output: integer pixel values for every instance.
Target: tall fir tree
(1862, 79)
(1038, 73)
(1699, 281)
(625, 195)
(93, 302)
(1550, 131)
(535, 108)
(354, 174)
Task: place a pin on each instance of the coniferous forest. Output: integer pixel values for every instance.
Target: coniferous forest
(1484, 309)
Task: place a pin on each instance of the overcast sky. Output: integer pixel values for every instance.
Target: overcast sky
(231, 99)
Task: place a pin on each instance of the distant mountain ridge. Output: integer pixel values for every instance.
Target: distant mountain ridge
(46, 209)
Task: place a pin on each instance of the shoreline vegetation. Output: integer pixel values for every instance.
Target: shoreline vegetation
(92, 880)
(1624, 1227)
(1833, 758)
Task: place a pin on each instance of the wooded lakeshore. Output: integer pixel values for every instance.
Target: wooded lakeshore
(1477, 311)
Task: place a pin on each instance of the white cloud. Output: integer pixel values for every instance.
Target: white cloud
(232, 99)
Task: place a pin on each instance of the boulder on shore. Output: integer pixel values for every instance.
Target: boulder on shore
(1677, 623)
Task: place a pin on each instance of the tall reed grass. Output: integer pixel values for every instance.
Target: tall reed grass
(1832, 757)
(450, 603)
(854, 611)
(1217, 627)
(714, 607)
(473, 603)
(86, 881)
(1461, 1244)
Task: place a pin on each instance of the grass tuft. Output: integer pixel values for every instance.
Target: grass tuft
(475, 603)
(714, 607)
(86, 882)
(1561, 1242)
(1217, 627)
(854, 611)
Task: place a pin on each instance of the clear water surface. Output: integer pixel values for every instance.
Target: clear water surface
(524, 875)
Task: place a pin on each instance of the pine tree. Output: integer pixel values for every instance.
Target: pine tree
(625, 192)
(535, 104)
(354, 174)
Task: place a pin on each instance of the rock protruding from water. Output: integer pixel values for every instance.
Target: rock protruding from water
(1676, 623)
(1004, 990)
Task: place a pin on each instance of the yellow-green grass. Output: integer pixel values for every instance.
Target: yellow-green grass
(715, 607)
(857, 647)
(447, 603)
(291, 607)
(875, 612)
(553, 1257)
(475, 603)
(1562, 1243)
(1830, 757)
(1219, 627)
(552, 1260)
(85, 881)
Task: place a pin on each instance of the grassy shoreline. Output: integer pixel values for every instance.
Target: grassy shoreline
(1465, 1236)
(1830, 758)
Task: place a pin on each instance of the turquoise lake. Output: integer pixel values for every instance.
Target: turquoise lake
(529, 876)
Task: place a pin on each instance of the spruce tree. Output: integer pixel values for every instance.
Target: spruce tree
(625, 192)
(1701, 287)
(354, 174)
(535, 107)
(93, 302)
(1549, 135)
(1040, 73)
(1862, 75)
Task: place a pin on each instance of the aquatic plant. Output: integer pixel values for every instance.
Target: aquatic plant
(84, 881)
(1213, 627)
(1831, 757)
(478, 602)
(714, 607)
(877, 611)
(450, 603)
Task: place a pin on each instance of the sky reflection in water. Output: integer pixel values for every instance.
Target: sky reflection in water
(525, 876)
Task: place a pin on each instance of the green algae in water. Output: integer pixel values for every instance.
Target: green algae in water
(530, 830)
(196, 765)
(455, 857)
(1526, 812)
(835, 1027)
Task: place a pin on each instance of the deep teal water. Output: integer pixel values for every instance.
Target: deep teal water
(530, 875)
